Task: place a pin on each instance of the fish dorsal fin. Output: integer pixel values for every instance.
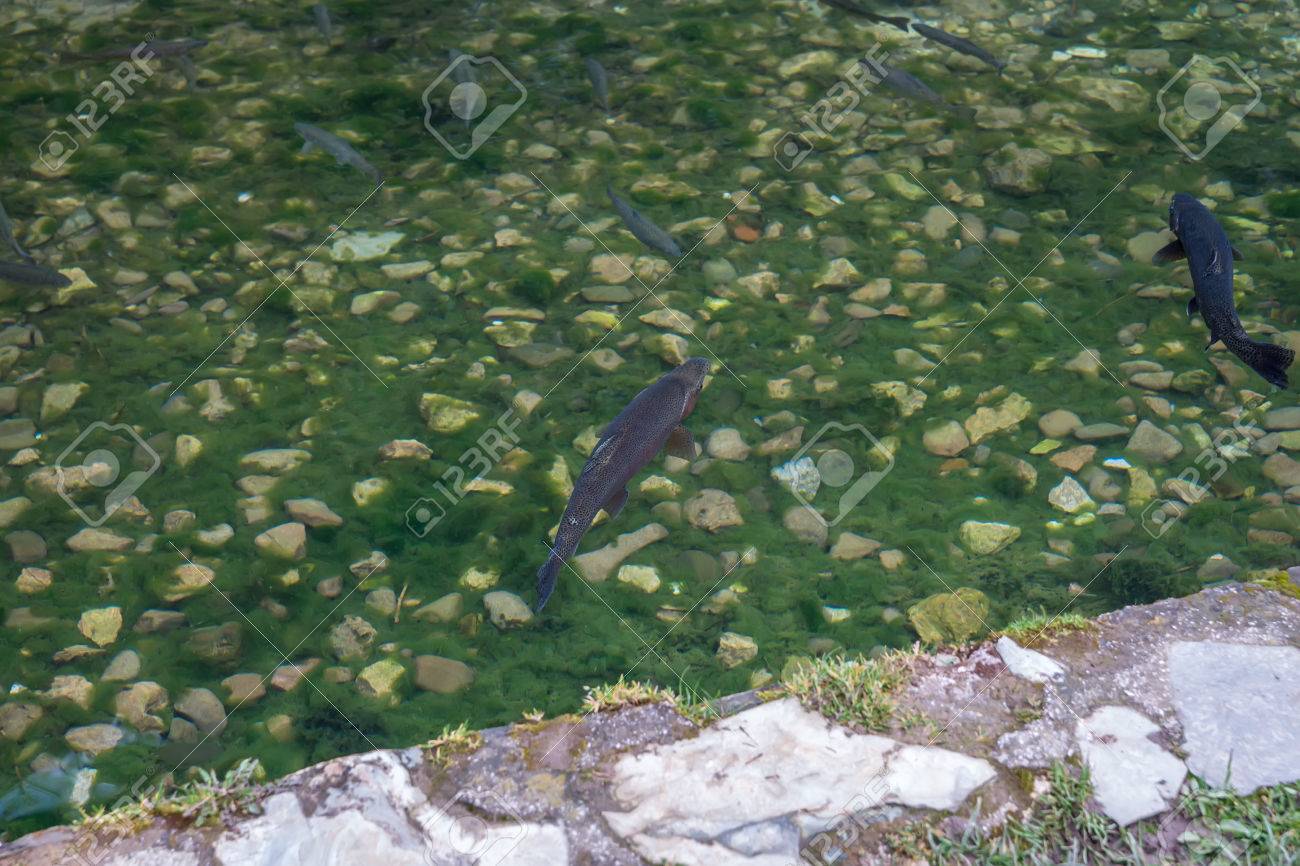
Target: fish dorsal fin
(1170, 252)
(681, 443)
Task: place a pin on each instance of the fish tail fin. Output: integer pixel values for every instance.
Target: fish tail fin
(1267, 359)
(546, 576)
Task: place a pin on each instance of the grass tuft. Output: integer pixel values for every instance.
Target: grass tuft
(1223, 828)
(201, 801)
(1035, 629)
(452, 742)
(852, 690)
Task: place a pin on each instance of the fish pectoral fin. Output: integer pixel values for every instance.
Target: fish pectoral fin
(307, 147)
(1193, 306)
(681, 443)
(1215, 266)
(1170, 252)
(1236, 254)
(614, 504)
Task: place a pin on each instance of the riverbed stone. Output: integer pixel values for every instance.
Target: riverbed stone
(1153, 445)
(101, 625)
(16, 718)
(506, 610)
(204, 709)
(381, 680)
(949, 617)
(139, 704)
(443, 676)
(598, 565)
(806, 525)
(312, 512)
(712, 509)
(986, 538)
(351, 639)
(286, 541)
(94, 739)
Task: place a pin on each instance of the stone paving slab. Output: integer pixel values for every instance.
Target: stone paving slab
(1210, 676)
(1237, 704)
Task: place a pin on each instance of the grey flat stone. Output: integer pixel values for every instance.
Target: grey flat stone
(1238, 704)
(1028, 664)
(1132, 777)
(372, 813)
(689, 801)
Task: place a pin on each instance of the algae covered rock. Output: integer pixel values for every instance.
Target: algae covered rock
(949, 617)
(381, 680)
(987, 538)
(1018, 170)
(735, 649)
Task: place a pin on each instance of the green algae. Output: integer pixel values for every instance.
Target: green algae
(576, 644)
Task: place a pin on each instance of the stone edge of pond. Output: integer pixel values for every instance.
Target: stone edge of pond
(1145, 696)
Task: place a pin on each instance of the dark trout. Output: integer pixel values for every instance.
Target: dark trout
(956, 43)
(643, 229)
(850, 6)
(32, 275)
(910, 86)
(651, 421)
(1202, 241)
(153, 48)
(599, 82)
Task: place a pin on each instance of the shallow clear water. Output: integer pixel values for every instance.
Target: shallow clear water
(198, 192)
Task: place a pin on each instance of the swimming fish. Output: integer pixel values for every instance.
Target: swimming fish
(958, 44)
(152, 48)
(1202, 241)
(650, 422)
(315, 137)
(911, 86)
(599, 82)
(32, 275)
(850, 6)
(7, 234)
(642, 229)
(321, 13)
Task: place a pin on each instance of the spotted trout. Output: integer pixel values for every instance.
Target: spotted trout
(1202, 241)
(650, 422)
